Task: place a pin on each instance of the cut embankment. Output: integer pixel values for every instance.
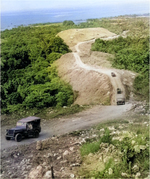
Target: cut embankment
(92, 82)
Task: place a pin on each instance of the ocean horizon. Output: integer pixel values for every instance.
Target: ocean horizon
(14, 19)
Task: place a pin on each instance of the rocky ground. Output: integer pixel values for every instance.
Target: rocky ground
(36, 160)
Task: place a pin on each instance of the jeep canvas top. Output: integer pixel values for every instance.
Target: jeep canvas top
(29, 119)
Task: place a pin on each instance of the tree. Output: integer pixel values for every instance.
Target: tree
(68, 23)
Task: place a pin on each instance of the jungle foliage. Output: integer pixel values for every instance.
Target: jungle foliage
(130, 54)
(29, 79)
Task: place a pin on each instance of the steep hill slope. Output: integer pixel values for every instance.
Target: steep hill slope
(88, 72)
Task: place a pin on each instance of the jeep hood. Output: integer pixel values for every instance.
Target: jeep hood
(18, 128)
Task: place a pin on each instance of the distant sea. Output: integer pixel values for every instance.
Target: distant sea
(14, 19)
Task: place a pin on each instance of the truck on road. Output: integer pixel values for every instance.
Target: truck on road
(120, 99)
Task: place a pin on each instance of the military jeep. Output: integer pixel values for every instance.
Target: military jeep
(120, 99)
(26, 127)
(119, 91)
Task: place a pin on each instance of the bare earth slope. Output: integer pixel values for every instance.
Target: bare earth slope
(74, 36)
(89, 73)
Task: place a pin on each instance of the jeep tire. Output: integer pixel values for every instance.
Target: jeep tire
(36, 134)
(7, 138)
(18, 137)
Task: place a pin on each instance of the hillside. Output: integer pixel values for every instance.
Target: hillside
(92, 80)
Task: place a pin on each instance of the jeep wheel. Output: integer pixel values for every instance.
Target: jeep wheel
(18, 137)
(36, 134)
(7, 138)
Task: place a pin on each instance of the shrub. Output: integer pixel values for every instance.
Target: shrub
(95, 146)
(68, 23)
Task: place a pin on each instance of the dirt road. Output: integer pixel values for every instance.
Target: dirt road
(115, 81)
(82, 120)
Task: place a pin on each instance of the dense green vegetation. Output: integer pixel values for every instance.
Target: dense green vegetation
(28, 77)
(130, 54)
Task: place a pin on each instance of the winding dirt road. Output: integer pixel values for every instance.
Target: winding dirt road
(115, 81)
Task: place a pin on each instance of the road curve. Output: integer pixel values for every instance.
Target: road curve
(115, 81)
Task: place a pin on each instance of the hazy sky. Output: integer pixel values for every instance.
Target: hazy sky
(26, 5)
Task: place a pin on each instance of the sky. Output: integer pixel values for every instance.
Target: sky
(29, 5)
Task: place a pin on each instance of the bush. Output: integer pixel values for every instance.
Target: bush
(95, 146)
(68, 23)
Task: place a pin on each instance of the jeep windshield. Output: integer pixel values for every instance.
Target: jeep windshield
(21, 124)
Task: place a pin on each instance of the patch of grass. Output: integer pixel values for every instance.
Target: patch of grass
(142, 131)
(140, 118)
(89, 148)
(58, 112)
(95, 146)
(105, 172)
